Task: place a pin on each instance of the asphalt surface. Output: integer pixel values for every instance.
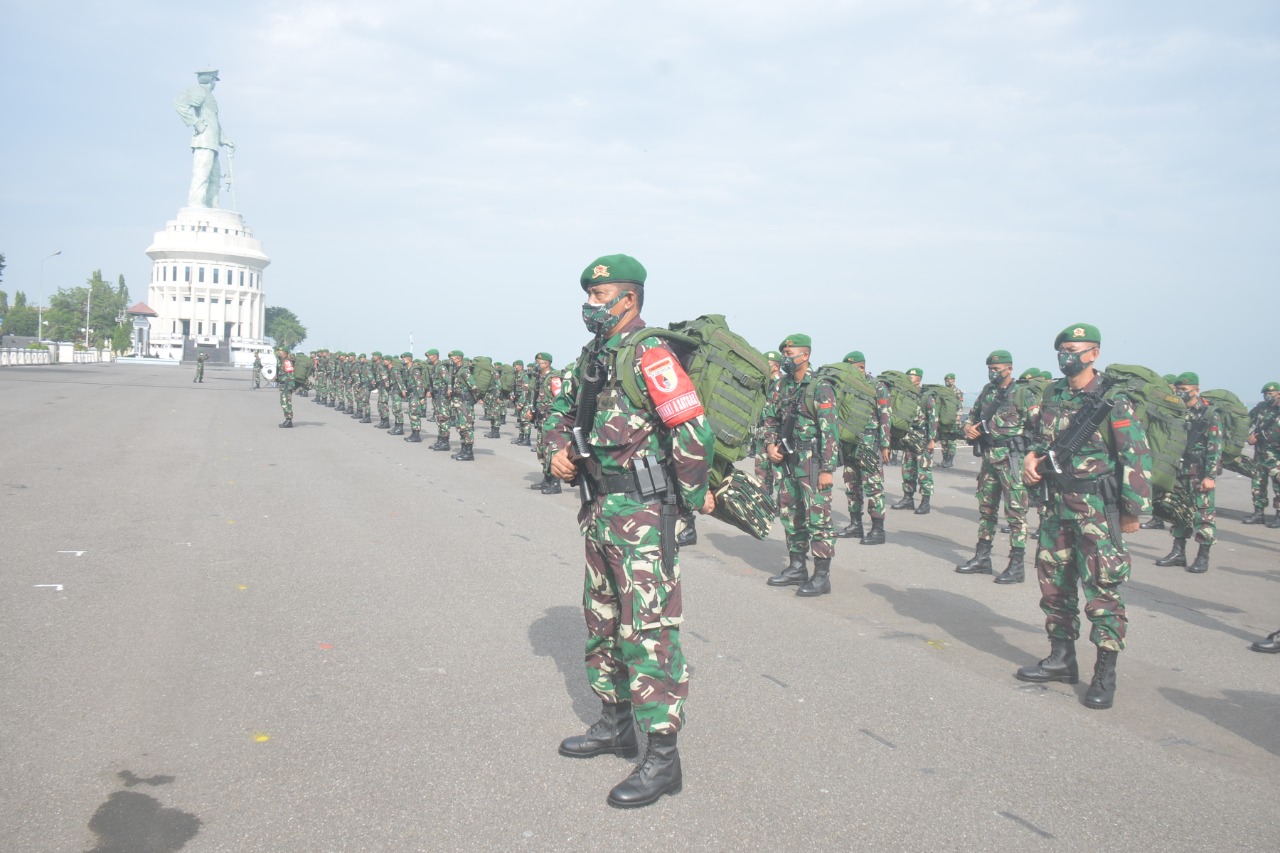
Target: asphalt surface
(218, 635)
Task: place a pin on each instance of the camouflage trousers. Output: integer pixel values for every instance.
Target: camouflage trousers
(805, 510)
(257, 377)
(1204, 504)
(1076, 552)
(522, 412)
(416, 405)
(863, 478)
(286, 399)
(1001, 474)
(949, 450)
(199, 371)
(766, 473)
(492, 411)
(384, 409)
(443, 414)
(397, 407)
(917, 472)
(1268, 462)
(633, 612)
(465, 420)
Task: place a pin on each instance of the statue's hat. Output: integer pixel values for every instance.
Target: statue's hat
(211, 71)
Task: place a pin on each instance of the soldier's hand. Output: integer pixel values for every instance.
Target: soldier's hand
(971, 432)
(1206, 485)
(708, 505)
(1128, 523)
(884, 456)
(931, 446)
(562, 464)
(772, 452)
(1030, 475)
(825, 479)
(1253, 439)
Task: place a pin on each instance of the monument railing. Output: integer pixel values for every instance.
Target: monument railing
(13, 356)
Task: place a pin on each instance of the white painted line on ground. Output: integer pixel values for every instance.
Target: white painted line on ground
(56, 587)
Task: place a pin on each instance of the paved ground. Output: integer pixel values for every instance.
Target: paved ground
(222, 634)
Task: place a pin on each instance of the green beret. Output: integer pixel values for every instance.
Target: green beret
(1271, 386)
(773, 355)
(1170, 378)
(915, 371)
(796, 341)
(855, 357)
(433, 351)
(406, 355)
(1078, 332)
(1029, 373)
(362, 355)
(543, 356)
(377, 354)
(1044, 374)
(1188, 378)
(1000, 356)
(612, 269)
(949, 376)
(518, 363)
(456, 352)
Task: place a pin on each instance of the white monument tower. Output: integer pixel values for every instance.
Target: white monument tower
(206, 271)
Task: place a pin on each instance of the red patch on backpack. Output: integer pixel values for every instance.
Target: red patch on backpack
(670, 387)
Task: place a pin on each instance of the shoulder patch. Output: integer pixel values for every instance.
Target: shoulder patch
(669, 386)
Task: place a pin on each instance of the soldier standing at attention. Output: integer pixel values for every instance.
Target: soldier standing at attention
(546, 388)
(415, 400)
(1264, 435)
(200, 360)
(520, 401)
(399, 392)
(284, 378)
(1201, 464)
(999, 424)
(632, 598)
(379, 368)
(462, 392)
(864, 467)
(257, 371)
(1104, 486)
(801, 437)
(917, 465)
(949, 446)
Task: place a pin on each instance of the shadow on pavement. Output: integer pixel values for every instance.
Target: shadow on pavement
(1247, 713)
(1185, 608)
(768, 557)
(560, 634)
(964, 620)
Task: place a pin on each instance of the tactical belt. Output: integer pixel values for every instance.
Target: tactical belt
(1005, 441)
(1075, 486)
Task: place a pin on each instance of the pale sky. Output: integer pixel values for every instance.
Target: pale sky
(924, 181)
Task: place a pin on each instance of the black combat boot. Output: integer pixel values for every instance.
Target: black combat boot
(465, 454)
(875, 536)
(854, 530)
(923, 509)
(414, 436)
(658, 773)
(1102, 690)
(385, 423)
(1268, 645)
(288, 424)
(341, 407)
(1060, 665)
(1015, 572)
(302, 393)
(1152, 523)
(442, 443)
(1259, 517)
(820, 583)
(1176, 557)
(1274, 523)
(398, 429)
(552, 486)
(980, 562)
(613, 733)
(356, 414)
(907, 502)
(493, 431)
(539, 486)
(689, 535)
(1201, 563)
(948, 460)
(368, 418)
(795, 574)
(519, 439)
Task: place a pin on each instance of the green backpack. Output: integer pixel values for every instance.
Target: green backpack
(1162, 414)
(730, 376)
(1235, 423)
(946, 403)
(904, 398)
(482, 373)
(506, 378)
(855, 399)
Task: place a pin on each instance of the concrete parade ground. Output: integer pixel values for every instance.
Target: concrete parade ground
(218, 635)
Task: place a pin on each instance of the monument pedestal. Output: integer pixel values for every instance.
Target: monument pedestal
(206, 288)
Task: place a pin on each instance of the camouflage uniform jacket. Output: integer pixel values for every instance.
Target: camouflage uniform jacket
(462, 384)
(817, 428)
(285, 378)
(1012, 414)
(546, 388)
(672, 427)
(925, 423)
(1096, 459)
(878, 428)
(1203, 456)
(1265, 424)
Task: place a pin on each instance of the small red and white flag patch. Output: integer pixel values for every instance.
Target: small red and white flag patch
(670, 387)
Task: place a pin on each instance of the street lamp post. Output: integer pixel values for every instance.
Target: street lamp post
(88, 302)
(40, 308)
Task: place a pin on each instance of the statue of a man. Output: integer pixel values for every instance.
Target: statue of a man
(199, 111)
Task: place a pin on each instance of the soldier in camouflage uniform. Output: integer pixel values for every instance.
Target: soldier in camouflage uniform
(1197, 478)
(257, 371)
(917, 466)
(520, 402)
(1104, 486)
(544, 390)
(1000, 424)
(415, 397)
(364, 386)
(200, 360)
(399, 391)
(864, 466)
(764, 469)
(949, 446)
(1264, 435)
(284, 378)
(493, 405)
(378, 371)
(802, 438)
(632, 597)
(462, 393)
(437, 377)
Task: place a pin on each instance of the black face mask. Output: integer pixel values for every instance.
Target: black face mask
(995, 374)
(1071, 363)
(789, 365)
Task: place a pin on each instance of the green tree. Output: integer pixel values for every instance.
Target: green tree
(121, 339)
(4, 303)
(68, 308)
(284, 327)
(20, 299)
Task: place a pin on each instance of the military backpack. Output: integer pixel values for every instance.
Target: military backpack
(1161, 413)
(506, 378)
(855, 399)
(946, 402)
(482, 373)
(1235, 424)
(904, 399)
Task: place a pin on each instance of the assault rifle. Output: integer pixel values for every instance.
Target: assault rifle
(593, 379)
(1055, 464)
